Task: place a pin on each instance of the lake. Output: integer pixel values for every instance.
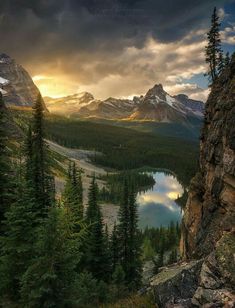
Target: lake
(157, 206)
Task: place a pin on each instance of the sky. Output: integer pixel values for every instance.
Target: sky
(113, 47)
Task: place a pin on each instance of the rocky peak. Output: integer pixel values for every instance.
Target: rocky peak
(4, 58)
(18, 88)
(158, 91)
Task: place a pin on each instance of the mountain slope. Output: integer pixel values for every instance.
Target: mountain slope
(16, 84)
(110, 108)
(159, 106)
(69, 104)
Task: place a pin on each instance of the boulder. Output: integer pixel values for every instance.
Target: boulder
(175, 285)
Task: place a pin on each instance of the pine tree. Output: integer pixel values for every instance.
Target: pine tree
(213, 48)
(28, 149)
(227, 59)
(91, 212)
(96, 253)
(123, 229)
(6, 193)
(18, 241)
(221, 63)
(73, 192)
(76, 179)
(43, 183)
(49, 280)
(133, 274)
(114, 248)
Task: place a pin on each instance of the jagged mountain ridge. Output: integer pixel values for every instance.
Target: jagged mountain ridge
(16, 85)
(157, 105)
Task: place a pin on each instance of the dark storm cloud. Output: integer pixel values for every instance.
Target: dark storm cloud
(97, 24)
(87, 37)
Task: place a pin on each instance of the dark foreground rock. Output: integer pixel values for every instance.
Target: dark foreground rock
(217, 276)
(176, 284)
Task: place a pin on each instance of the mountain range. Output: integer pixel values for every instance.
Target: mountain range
(155, 106)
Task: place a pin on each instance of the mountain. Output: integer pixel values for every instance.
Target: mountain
(206, 278)
(111, 108)
(157, 105)
(16, 84)
(70, 104)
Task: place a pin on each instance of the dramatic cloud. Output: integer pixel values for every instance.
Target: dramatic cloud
(110, 47)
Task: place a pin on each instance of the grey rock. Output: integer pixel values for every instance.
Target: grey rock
(176, 283)
(19, 90)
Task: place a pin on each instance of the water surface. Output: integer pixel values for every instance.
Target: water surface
(157, 206)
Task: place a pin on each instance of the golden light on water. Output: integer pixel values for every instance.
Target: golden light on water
(173, 195)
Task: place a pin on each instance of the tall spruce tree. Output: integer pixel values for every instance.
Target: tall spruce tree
(6, 196)
(114, 248)
(43, 183)
(226, 59)
(76, 179)
(213, 48)
(18, 241)
(96, 250)
(49, 280)
(221, 63)
(123, 229)
(135, 267)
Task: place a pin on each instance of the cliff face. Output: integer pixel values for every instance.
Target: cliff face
(210, 210)
(209, 218)
(16, 84)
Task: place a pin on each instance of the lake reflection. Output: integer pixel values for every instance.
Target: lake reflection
(157, 206)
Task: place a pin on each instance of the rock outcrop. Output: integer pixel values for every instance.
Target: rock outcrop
(208, 225)
(176, 284)
(16, 84)
(210, 209)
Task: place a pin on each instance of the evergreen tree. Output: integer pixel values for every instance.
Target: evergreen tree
(227, 59)
(73, 193)
(221, 63)
(6, 196)
(118, 279)
(114, 248)
(76, 180)
(18, 241)
(123, 229)
(96, 250)
(134, 271)
(29, 155)
(213, 48)
(42, 180)
(91, 212)
(173, 256)
(49, 280)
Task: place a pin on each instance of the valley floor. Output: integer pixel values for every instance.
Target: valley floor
(81, 158)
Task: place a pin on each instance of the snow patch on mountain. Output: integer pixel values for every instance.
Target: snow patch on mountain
(3, 81)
